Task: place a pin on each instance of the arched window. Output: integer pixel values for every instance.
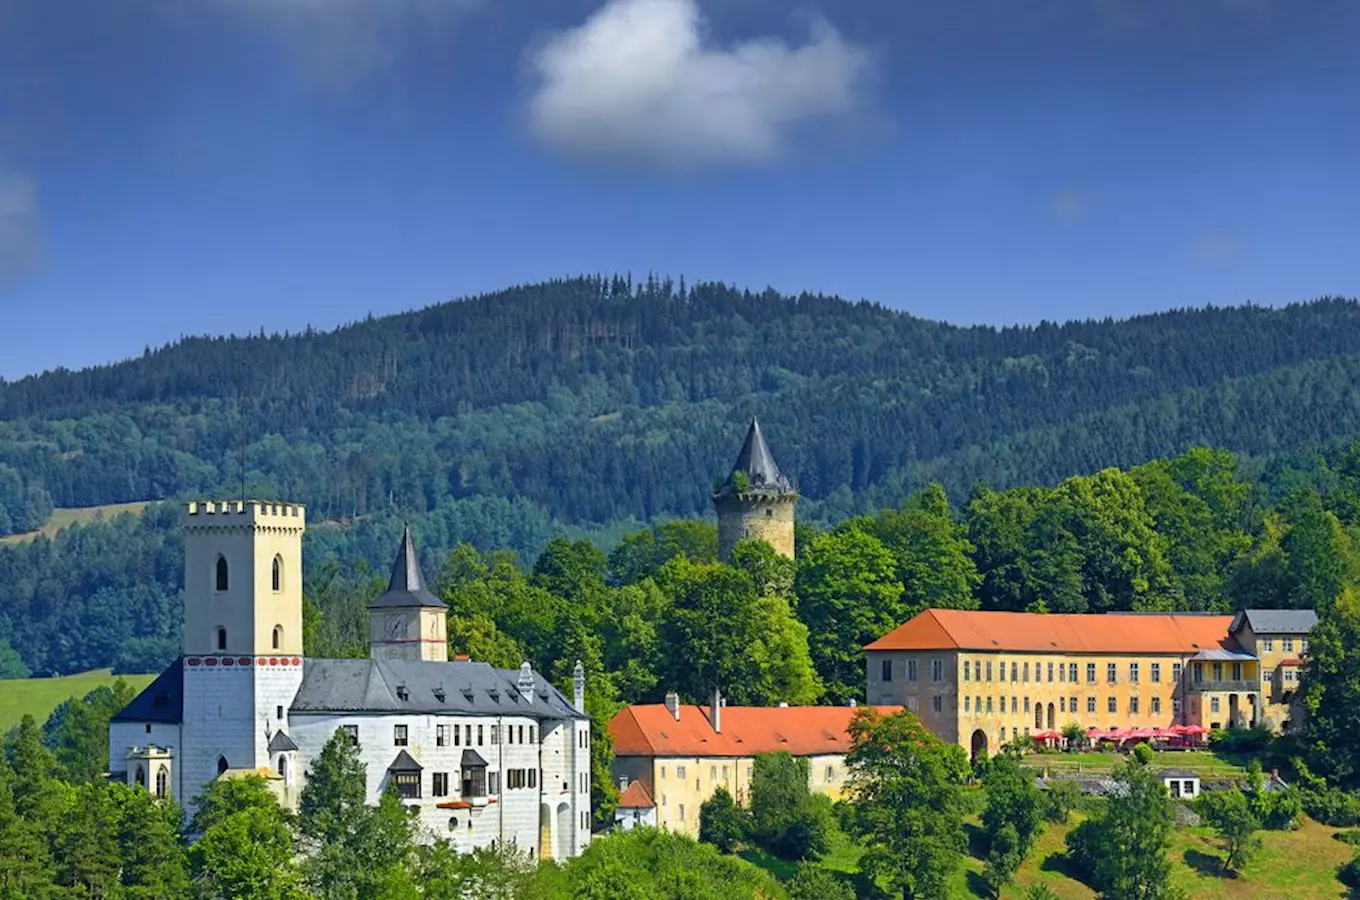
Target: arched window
(278, 637)
(162, 781)
(278, 573)
(221, 638)
(141, 777)
(221, 765)
(222, 580)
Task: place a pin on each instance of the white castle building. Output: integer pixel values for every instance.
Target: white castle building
(485, 755)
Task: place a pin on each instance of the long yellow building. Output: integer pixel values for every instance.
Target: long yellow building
(983, 679)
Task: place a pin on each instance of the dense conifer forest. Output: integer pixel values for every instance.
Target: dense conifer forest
(1039, 467)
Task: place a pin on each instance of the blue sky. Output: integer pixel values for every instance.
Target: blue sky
(173, 167)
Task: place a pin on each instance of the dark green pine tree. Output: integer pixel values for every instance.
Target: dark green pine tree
(26, 871)
(88, 854)
(154, 863)
(332, 802)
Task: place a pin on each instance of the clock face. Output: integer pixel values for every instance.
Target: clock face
(396, 626)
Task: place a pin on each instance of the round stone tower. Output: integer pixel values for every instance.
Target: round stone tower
(756, 501)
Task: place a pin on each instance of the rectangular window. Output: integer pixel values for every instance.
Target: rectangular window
(680, 770)
(1112, 704)
(521, 734)
(1176, 707)
(1050, 673)
(1072, 672)
(1268, 676)
(1267, 645)
(479, 735)
(533, 778)
(1176, 671)
(1237, 671)
(1288, 645)
(967, 703)
(977, 705)
(937, 703)
(967, 670)
(493, 785)
(467, 735)
(1303, 645)
(408, 785)
(495, 735)
(1015, 672)
(712, 773)
(989, 704)
(399, 736)
(1062, 704)
(1288, 674)
(1156, 673)
(1213, 705)
(1026, 704)
(1072, 704)
(1090, 704)
(1062, 673)
(532, 731)
(911, 670)
(1133, 673)
(937, 670)
(440, 785)
(1156, 706)
(1133, 705)
(885, 670)
(912, 704)
(1025, 673)
(441, 739)
(1218, 671)
(352, 732)
(1111, 672)
(682, 812)
(989, 670)
(1090, 673)
(1015, 704)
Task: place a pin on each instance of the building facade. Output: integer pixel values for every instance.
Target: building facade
(484, 755)
(757, 501)
(983, 679)
(676, 755)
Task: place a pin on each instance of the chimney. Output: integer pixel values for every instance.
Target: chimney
(853, 703)
(623, 783)
(673, 704)
(715, 705)
(462, 657)
(783, 703)
(578, 688)
(526, 682)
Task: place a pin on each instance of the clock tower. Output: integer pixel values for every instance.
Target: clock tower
(407, 622)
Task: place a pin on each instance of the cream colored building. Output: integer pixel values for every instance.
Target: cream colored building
(983, 679)
(680, 754)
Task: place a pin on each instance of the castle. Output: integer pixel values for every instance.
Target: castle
(484, 755)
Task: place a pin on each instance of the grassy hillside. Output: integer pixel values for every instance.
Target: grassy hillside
(63, 518)
(39, 696)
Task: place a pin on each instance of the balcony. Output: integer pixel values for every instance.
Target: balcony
(1209, 686)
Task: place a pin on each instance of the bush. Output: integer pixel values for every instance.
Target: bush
(786, 818)
(1240, 740)
(1348, 837)
(721, 823)
(1331, 806)
(1142, 753)
(1062, 797)
(1349, 874)
(812, 882)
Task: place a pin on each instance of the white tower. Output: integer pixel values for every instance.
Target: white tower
(242, 634)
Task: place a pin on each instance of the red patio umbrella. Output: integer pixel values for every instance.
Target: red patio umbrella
(1048, 736)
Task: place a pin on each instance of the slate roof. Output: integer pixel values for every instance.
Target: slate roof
(758, 463)
(472, 758)
(406, 588)
(958, 629)
(1176, 773)
(467, 688)
(650, 729)
(160, 701)
(405, 763)
(281, 742)
(1276, 621)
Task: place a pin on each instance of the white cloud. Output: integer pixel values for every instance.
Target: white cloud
(20, 228)
(641, 81)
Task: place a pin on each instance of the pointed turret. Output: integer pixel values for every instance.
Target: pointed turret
(756, 500)
(407, 622)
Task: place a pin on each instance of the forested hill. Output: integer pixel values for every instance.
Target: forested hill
(598, 400)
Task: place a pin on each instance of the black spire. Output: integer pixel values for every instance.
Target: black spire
(407, 587)
(757, 463)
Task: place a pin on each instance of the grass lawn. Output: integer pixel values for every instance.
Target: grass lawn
(1205, 763)
(39, 696)
(62, 518)
(1300, 865)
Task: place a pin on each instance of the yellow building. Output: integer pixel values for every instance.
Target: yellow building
(983, 679)
(675, 756)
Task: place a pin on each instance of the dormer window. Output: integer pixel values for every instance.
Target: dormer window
(474, 775)
(223, 580)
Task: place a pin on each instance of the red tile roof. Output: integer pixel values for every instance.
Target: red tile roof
(635, 797)
(950, 629)
(651, 730)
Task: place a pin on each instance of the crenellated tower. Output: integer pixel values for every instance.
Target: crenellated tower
(242, 633)
(756, 501)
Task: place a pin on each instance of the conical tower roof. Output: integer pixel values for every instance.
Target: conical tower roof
(407, 586)
(757, 463)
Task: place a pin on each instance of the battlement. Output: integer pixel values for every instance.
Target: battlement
(150, 751)
(232, 513)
